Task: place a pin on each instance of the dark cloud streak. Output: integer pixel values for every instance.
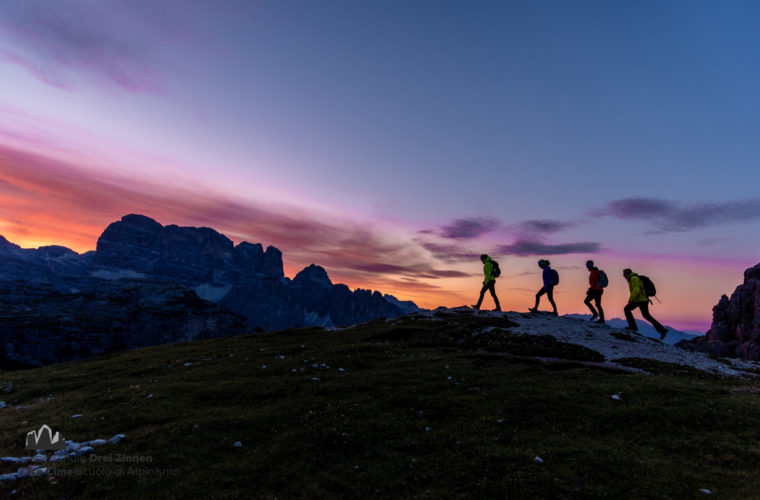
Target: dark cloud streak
(670, 217)
(541, 226)
(469, 228)
(524, 247)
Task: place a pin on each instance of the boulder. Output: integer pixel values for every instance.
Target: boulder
(735, 331)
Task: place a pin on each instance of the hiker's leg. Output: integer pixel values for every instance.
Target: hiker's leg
(482, 293)
(598, 300)
(589, 296)
(550, 294)
(629, 314)
(492, 288)
(645, 312)
(538, 297)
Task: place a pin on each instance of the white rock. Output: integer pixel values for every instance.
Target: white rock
(78, 415)
(22, 472)
(616, 397)
(39, 471)
(115, 439)
(72, 445)
(238, 444)
(705, 491)
(538, 460)
(427, 429)
(8, 477)
(84, 450)
(2, 404)
(39, 458)
(9, 460)
(341, 369)
(316, 379)
(263, 366)
(97, 442)
(150, 396)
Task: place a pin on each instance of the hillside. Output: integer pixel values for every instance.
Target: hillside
(444, 404)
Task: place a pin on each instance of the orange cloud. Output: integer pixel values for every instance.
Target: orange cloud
(50, 201)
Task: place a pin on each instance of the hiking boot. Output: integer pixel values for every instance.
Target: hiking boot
(554, 313)
(476, 307)
(533, 309)
(593, 317)
(600, 320)
(663, 333)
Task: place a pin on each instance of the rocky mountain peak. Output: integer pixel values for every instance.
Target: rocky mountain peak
(313, 275)
(735, 331)
(5, 244)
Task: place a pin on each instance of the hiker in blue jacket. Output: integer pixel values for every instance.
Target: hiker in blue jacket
(550, 278)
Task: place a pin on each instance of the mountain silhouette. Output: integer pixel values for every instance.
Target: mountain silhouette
(148, 284)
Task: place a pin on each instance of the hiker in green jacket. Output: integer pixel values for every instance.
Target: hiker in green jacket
(488, 283)
(638, 298)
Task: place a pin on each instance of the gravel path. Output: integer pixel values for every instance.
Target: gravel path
(602, 339)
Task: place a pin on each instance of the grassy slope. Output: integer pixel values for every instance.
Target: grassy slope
(362, 432)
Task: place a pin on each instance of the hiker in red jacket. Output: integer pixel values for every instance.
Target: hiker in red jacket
(595, 291)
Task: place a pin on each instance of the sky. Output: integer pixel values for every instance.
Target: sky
(393, 142)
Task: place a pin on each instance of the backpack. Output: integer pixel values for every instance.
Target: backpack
(603, 281)
(555, 277)
(649, 288)
(495, 270)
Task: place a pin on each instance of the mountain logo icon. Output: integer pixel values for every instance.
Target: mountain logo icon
(44, 439)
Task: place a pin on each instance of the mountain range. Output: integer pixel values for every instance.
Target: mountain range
(149, 284)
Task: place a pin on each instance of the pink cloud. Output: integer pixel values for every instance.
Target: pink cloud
(63, 44)
(50, 201)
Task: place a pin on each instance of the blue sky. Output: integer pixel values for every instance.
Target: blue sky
(628, 128)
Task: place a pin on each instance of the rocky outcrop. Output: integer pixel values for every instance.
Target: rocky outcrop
(735, 331)
(189, 283)
(187, 255)
(40, 325)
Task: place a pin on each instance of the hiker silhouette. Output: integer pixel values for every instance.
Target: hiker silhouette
(595, 291)
(550, 279)
(489, 282)
(639, 299)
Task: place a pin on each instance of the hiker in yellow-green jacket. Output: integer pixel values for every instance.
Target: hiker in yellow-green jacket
(489, 282)
(638, 298)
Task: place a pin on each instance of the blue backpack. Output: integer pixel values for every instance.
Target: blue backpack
(555, 277)
(603, 281)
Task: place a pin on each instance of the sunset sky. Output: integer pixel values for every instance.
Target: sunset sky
(393, 142)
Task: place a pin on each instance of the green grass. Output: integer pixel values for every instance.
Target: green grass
(423, 409)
